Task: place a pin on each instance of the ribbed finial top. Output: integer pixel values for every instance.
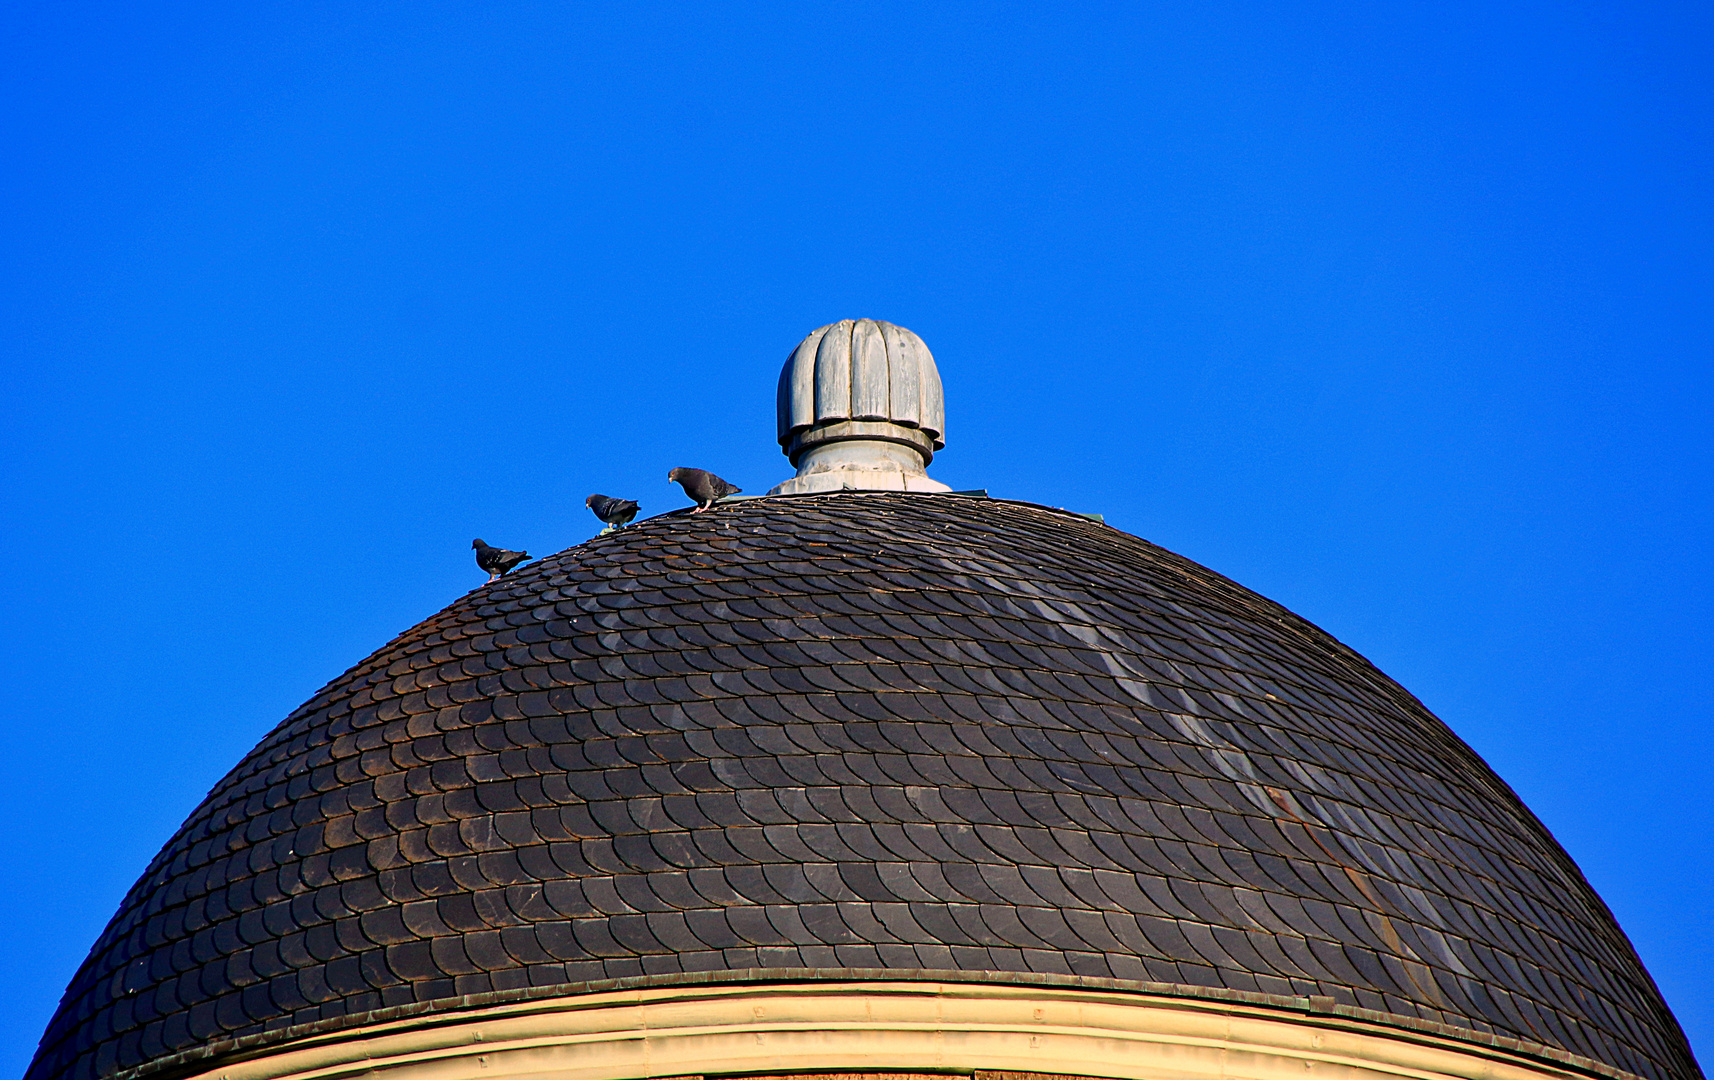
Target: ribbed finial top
(865, 370)
(871, 387)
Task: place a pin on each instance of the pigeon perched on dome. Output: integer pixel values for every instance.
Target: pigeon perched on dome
(702, 486)
(496, 561)
(616, 513)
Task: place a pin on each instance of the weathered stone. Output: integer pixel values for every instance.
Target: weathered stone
(860, 409)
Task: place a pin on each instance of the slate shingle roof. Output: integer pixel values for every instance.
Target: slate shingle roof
(859, 731)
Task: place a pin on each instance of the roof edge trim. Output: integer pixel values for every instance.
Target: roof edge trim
(456, 1010)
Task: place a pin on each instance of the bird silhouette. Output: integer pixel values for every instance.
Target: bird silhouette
(495, 560)
(703, 487)
(615, 512)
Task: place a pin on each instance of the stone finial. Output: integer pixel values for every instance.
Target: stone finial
(860, 408)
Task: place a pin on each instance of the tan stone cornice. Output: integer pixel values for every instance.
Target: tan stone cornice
(893, 1026)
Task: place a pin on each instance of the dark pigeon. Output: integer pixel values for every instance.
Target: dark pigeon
(615, 512)
(495, 560)
(704, 487)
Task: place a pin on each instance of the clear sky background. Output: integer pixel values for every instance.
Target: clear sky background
(1399, 314)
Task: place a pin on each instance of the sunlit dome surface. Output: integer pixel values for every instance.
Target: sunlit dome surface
(853, 736)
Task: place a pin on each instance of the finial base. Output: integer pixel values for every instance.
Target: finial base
(859, 465)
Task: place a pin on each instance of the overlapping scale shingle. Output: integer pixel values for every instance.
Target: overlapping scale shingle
(860, 731)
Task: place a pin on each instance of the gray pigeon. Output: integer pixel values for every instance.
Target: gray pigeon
(704, 487)
(615, 512)
(495, 560)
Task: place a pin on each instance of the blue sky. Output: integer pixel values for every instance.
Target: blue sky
(1399, 314)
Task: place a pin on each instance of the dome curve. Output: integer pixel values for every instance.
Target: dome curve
(858, 732)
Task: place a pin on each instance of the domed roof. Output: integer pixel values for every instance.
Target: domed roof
(860, 735)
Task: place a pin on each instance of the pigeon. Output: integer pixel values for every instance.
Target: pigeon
(495, 560)
(615, 512)
(704, 487)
